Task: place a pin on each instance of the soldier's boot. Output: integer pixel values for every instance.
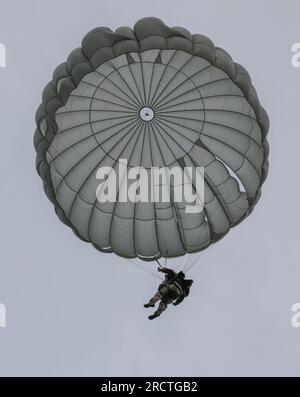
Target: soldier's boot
(149, 305)
(152, 316)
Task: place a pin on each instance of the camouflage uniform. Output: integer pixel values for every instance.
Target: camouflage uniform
(170, 291)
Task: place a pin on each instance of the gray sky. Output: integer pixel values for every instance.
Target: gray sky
(74, 311)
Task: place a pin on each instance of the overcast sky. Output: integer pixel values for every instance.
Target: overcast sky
(73, 311)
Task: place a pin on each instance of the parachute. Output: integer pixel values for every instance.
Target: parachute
(154, 96)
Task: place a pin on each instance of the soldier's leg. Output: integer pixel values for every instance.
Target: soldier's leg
(163, 304)
(154, 299)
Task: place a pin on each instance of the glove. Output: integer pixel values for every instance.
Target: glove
(175, 303)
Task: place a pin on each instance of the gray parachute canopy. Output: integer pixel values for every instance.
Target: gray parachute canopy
(157, 97)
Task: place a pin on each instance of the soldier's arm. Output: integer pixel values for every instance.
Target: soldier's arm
(169, 272)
